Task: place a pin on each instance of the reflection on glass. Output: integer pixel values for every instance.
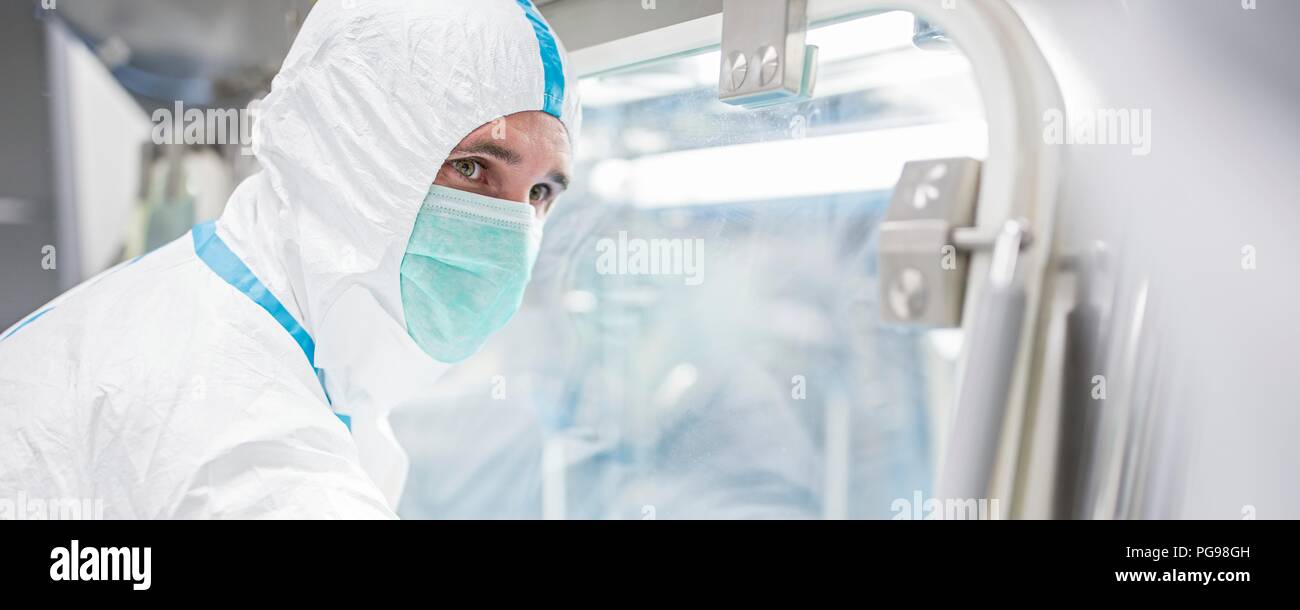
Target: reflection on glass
(702, 336)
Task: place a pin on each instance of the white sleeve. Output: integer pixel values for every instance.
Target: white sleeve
(281, 479)
(279, 459)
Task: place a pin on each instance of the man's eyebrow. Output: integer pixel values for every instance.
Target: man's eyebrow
(492, 149)
(560, 178)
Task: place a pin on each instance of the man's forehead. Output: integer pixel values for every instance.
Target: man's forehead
(522, 132)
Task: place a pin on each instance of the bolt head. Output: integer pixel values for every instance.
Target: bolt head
(736, 69)
(908, 294)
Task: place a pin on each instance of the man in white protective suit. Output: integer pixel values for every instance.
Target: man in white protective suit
(410, 150)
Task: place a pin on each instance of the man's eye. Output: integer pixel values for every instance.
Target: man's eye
(467, 168)
(539, 193)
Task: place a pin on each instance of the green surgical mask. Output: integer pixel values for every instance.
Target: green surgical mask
(465, 269)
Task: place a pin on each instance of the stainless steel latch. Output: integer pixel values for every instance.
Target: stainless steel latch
(926, 240)
(764, 58)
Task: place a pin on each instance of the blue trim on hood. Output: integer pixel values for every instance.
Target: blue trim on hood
(552, 67)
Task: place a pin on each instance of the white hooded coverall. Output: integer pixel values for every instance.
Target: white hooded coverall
(218, 375)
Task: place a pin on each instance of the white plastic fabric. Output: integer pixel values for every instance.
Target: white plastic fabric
(162, 391)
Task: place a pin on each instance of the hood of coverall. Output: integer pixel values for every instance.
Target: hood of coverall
(372, 98)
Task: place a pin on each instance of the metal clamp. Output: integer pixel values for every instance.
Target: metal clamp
(764, 58)
(926, 240)
(922, 271)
